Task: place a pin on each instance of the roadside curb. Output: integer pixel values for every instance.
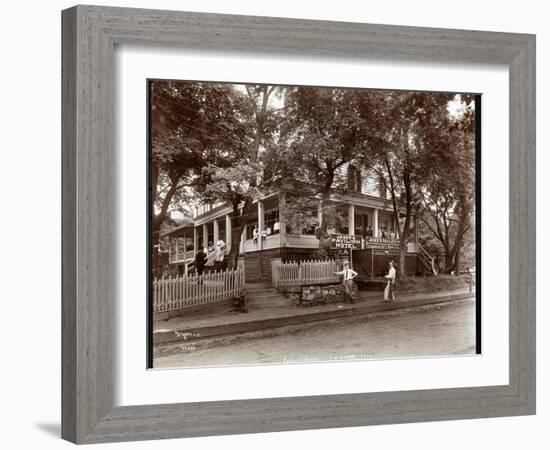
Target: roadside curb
(216, 331)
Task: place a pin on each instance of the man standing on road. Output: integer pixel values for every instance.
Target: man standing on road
(349, 275)
(391, 282)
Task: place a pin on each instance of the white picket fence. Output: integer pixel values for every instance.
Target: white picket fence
(304, 273)
(190, 290)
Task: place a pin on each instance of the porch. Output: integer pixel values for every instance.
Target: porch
(370, 218)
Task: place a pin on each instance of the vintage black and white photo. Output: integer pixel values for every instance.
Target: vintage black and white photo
(295, 224)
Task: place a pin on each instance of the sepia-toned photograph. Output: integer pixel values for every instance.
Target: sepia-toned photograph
(301, 224)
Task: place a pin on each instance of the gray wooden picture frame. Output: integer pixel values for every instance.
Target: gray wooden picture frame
(89, 37)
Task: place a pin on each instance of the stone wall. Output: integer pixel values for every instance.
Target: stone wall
(315, 295)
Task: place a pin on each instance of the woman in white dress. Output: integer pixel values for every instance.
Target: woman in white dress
(220, 250)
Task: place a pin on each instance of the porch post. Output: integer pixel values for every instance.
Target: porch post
(375, 222)
(416, 231)
(195, 241)
(351, 219)
(177, 252)
(243, 239)
(260, 224)
(205, 235)
(227, 232)
(216, 231)
(282, 223)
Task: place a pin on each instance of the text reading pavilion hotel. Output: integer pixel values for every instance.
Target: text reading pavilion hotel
(369, 213)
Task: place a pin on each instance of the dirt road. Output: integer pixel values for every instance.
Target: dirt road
(447, 329)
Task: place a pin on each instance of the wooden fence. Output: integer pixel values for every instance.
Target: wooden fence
(304, 273)
(189, 290)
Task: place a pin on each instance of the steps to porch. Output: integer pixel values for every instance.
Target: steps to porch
(264, 294)
(427, 261)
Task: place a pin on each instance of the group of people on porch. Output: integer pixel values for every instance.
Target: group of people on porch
(265, 232)
(383, 233)
(209, 255)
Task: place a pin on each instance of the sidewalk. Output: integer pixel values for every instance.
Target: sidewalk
(223, 321)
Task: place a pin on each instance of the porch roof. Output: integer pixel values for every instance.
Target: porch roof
(179, 230)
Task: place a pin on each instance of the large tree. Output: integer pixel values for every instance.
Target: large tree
(191, 123)
(248, 174)
(406, 128)
(323, 135)
(448, 194)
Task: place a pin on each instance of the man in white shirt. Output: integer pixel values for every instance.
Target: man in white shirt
(349, 275)
(391, 282)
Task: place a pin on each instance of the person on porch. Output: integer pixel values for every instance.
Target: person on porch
(369, 231)
(349, 274)
(200, 260)
(220, 250)
(210, 254)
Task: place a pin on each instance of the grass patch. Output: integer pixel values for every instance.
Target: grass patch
(421, 283)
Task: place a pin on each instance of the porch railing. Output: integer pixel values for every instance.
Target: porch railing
(190, 264)
(180, 256)
(189, 290)
(304, 273)
(427, 260)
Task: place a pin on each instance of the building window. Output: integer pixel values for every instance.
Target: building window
(355, 183)
(382, 188)
(271, 222)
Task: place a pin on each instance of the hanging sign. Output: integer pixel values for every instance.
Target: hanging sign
(381, 243)
(345, 241)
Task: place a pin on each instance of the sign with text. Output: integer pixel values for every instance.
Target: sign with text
(342, 241)
(381, 243)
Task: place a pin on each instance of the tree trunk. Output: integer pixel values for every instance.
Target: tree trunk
(154, 182)
(448, 261)
(402, 261)
(168, 199)
(157, 222)
(404, 237)
(157, 268)
(405, 232)
(238, 222)
(324, 239)
(457, 259)
(233, 258)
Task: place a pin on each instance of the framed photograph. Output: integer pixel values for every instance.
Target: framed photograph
(283, 211)
(293, 214)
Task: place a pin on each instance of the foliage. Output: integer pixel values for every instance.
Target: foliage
(191, 123)
(323, 134)
(237, 143)
(410, 130)
(448, 193)
(247, 174)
